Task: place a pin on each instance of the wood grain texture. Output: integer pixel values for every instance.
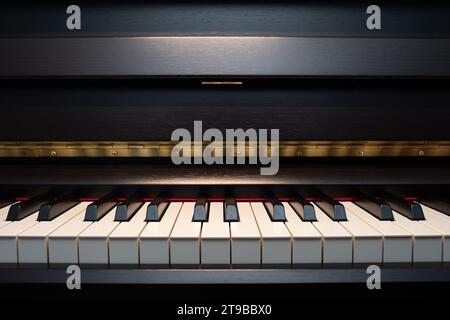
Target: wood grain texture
(224, 56)
(125, 110)
(171, 175)
(157, 123)
(227, 276)
(245, 17)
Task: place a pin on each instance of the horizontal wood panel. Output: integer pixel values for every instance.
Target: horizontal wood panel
(349, 173)
(221, 276)
(224, 56)
(66, 123)
(245, 17)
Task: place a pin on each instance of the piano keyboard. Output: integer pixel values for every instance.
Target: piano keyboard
(227, 232)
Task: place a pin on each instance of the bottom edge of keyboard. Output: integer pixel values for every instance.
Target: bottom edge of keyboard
(190, 275)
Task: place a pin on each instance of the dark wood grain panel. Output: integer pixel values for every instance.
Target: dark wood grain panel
(227, 276)
(224, 56)
(72, 123)
(124, 110)
(201, 17)
(301, 173)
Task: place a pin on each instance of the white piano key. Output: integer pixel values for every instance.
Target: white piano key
(367, 242)
(185, 237)
(93, 241)
(337, 241)
(8, 237)
(154, 239)
(3, 215)
(440, 222)
(245, 237)
(435, 215)
(215, 237)
(276, 240)
(63, 242)
(307, 241)
(427, 242)
(397, 242)
(124, 240)
(32, 243)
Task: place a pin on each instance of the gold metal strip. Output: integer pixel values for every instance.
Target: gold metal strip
(221, 83)
(286, 149)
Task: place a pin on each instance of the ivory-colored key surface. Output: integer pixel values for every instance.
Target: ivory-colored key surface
(93, 244)
(215, 236)
(307, 240)
(3, 214)
(427, 246)
(337, 241)
(124, 240)
(185, 237)
(63, 242)
(8, 237)
(397, 242)
(245, 237)
(154, 239)
(276, 240)
(440, 222)
(367, 242)
(32, 243)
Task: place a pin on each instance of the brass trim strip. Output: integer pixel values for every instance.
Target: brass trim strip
(286, 148)
(221, 83)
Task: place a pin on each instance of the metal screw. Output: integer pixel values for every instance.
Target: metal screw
(114, 153)
(421, 153)
(361, 152)
(53, 153)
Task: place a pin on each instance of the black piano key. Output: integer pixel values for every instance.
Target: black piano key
(303, 208)
(275, 209)
(25, 208)
(410, 209)
(156, 209)
(201, 210)
(95, 211)
(375, 207)
(231, 210)
(127, 209)
(54, 208)
(332, 208)
(6, 202)
(439, 204)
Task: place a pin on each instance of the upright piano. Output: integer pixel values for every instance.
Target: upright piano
(87, 115)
